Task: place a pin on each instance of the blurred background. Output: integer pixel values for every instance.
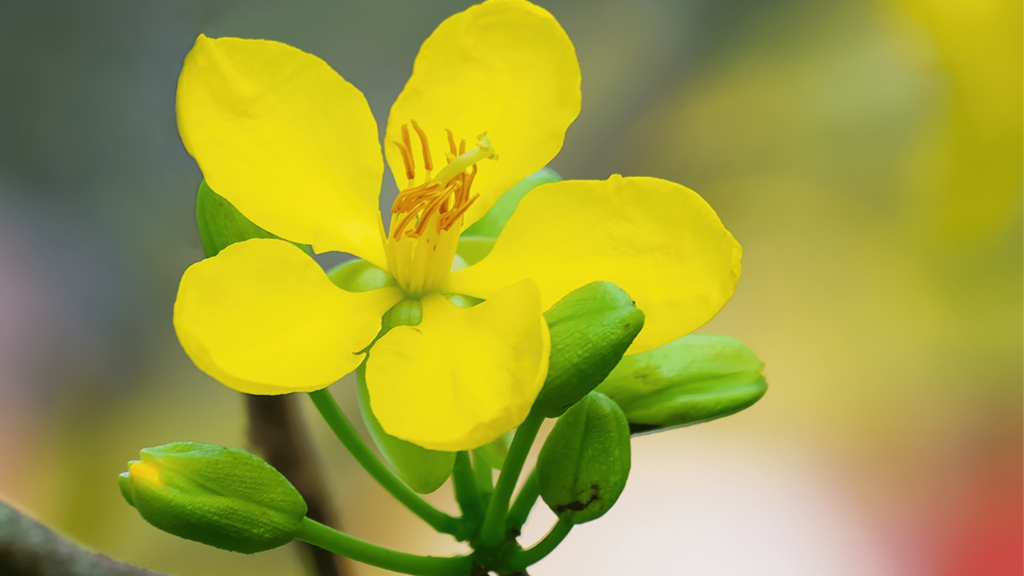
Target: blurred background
(867, 154)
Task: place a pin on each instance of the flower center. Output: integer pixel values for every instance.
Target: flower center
(426, 218)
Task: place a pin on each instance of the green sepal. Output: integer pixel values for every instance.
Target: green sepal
(423, 470)
(358, 275)
(221, 224)
(463, 301)
(494, 453)
(124, 483)
(591, 328)
(691, 380)
(222, 497)
(471, 250)
(583, 466)
(491, 224)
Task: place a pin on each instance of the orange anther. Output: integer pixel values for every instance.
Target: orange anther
(405, 137)
(451, 217)
(451, 144)
(410, 167)
(427, 162)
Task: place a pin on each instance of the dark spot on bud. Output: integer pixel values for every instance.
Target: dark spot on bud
(640, 428)
(580, 506)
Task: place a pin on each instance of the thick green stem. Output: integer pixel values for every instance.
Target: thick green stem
(523, 504)
(343, 429)
(493, 532)
(531, 556)
(466, 492)
(342, 544)
(484, 475)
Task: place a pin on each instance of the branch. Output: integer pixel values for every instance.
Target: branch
(277, 432)
(27, 548)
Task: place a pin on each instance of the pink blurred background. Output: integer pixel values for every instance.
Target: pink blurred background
(867, 154)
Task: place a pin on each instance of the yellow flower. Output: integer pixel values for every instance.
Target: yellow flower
(295, 148)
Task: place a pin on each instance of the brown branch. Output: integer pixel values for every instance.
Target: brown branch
(276, 430)
(27, 548)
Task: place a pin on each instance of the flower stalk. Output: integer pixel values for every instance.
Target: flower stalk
(493, 531)
(347, 434)
(317, 534)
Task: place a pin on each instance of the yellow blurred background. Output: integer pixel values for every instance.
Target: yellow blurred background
(867, 154)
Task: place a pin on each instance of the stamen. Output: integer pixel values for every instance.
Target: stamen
(470, 176)
(427, 213)
(405, 137)
(410, 168)
(451, 144)
(442, 199)
(447, 220)
(427, 162)
(403, 223)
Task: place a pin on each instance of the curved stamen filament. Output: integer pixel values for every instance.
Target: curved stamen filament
(426, 217)
(428, 164)
(444, 198)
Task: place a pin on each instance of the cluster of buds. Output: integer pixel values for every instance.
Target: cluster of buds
(230, 499)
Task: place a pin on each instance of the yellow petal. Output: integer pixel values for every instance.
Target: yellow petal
(504, 67)
(658, 241)
(286, 140)
(262, 317)
(463, 376)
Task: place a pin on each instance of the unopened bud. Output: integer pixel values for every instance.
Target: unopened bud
(222, 497)
(691, 380)
(591, 328)
(583, 466)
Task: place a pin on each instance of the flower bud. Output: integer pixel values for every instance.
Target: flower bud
(591, 328)
(222, 497)
(691, 380)
(583, 466)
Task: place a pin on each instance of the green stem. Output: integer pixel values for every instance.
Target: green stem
(531, 556)
(493, 532)
(466, 492)
(315, 533)
(484, 475)
(343, 429)
(523, 504)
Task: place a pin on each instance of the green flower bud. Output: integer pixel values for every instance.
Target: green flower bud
(222, 497)
(583, 466)
(694, 379)
(591, 328)
(221, 224)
